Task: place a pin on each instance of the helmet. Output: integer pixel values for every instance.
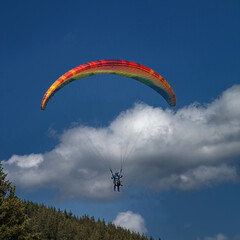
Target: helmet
(116, 173)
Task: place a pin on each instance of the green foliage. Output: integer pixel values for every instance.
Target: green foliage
(14, 223)
(57, 225)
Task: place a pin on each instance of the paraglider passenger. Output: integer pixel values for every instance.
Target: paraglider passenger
(116, 180)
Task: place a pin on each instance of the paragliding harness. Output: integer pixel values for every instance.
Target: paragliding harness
(116, 180)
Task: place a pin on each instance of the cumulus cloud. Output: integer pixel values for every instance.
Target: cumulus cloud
(190, 148)
(26, 161)
(132, 221)
(219, 236)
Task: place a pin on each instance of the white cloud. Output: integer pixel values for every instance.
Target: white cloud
(219, 236)
(191, 148)
(198, 177)
(26, 161)
(132, 221)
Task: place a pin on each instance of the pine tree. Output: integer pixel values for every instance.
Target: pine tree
(13, 220)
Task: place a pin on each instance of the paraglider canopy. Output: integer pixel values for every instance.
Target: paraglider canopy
(120, 67)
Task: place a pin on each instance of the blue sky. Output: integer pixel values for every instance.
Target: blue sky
(187, 188)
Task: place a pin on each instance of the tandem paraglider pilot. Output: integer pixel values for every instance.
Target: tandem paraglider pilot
(116, 180)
